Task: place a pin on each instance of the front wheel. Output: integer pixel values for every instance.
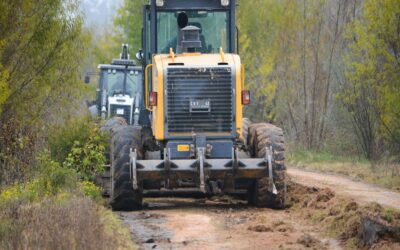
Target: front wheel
(261, 137)
(123, 196)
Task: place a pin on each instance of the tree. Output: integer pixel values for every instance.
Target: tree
(128, 23)
(371, 90)
(258, 54)
(290, 49)
(43, 49)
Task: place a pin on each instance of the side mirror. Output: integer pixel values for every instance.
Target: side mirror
(139, 55)
(87, 79)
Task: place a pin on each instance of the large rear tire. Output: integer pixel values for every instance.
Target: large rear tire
(245, 129)
(123, 196)
(262, 136)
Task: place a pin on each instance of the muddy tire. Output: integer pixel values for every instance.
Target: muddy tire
(245, 129)
(123, 196)
(262, 136)
(113, 124)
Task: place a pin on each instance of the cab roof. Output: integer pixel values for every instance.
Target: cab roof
(193, 4)
(118, 67)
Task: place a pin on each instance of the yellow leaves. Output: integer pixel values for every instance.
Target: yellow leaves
(4, 88)
(91, 190)
(7, 194)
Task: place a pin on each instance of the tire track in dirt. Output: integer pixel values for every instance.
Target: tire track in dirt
(173, 223)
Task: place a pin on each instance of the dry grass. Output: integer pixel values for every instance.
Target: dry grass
(63, 222)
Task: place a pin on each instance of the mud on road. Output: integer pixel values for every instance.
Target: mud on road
(225, 223)
(320, 215)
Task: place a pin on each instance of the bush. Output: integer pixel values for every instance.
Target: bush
(87, 158)
(79, 145)
(63, 138)
(54, 210)
(91, 190)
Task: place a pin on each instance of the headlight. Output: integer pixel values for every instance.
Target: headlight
(160, 3)
(225, 3)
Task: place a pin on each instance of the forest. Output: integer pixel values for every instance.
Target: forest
(326, 71)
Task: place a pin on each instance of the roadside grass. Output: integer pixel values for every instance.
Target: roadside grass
(66, 220)
(383, 174)
(58, 210)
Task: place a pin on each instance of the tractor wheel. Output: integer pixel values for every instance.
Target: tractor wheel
(245, 129)
(123, 196)
(262, 136)
(113, 124)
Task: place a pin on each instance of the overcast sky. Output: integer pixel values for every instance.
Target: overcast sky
(100, 12)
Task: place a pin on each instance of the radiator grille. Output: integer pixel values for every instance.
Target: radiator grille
(212, 84)
(127, 112)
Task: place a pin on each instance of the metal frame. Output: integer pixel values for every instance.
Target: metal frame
(202, 168)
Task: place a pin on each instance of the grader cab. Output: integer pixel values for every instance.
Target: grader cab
(195, 137)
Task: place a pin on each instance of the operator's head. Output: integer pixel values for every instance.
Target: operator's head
(183, 20)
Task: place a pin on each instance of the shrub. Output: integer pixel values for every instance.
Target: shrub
(80, 145)
(62, 138)
(51, 180)
(91, 190)
(76, 131)
(87, 158)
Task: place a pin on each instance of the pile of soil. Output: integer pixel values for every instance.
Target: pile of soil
(366, 226)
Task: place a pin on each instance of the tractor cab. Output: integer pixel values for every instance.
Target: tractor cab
(164, 24)
(119, 90)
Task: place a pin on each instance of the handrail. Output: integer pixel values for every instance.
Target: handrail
(146, 86)
(242, 76)
(221, 52)
(172, 54)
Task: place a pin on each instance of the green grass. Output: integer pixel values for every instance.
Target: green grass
(383, 174)
(308, 156)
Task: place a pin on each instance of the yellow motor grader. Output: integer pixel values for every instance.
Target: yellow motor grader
(191, 135)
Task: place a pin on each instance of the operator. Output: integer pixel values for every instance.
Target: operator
(182, 22)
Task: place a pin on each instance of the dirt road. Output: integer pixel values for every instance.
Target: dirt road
(227, 223)
(200, 224)
(342, 186)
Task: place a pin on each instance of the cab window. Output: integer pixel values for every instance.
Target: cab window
(213, 29)
(113, 82)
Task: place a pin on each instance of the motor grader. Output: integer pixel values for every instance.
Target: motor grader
(191, 135)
